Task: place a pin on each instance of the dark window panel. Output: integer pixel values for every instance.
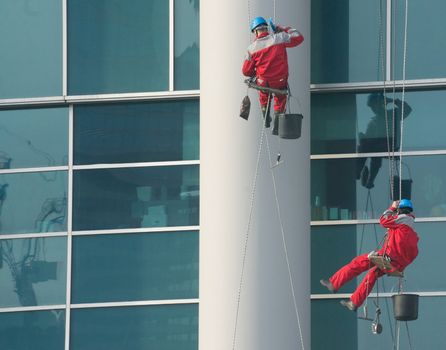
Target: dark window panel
(118, 46)
(135, 267)
(163, 327)
(136, 132)
(135, 197)
(33, 330)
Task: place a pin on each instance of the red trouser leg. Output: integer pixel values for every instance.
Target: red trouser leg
(366, 286)
(357, 266)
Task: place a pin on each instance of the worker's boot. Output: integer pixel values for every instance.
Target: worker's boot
(277, 115)
(348, 304)
(327, 284)
(266, 117)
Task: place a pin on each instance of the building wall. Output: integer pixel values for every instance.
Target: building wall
(99, 178)
(360, 50)
(246, 301)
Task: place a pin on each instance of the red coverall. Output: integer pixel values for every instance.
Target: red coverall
(401, 246)
(267, 60)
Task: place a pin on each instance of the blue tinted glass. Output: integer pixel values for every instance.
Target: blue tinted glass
(135, 197)
(32, 330)
(33, 137)
(31, 58)
(334, 246)
(424, 58)
(424, 333)
(347, 44)
(135, 267)
(187, 45)
(165, 327)
(136, 132)
(117, 46)
(33, 202)
(340, 186)
(358, 122)
(33, 271)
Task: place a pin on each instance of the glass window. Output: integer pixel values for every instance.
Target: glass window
(424, 58)
(340, 186)
(356, 122)
(33, 271)
(33, 137)
(135, 267)
(33, 202)
(163, 327)
(33, 330)
(347, 41)
(31, 58)
(135, 197)
(334, 246)
(118, 46)
(136, 132)
(187, 45)
(334, 322)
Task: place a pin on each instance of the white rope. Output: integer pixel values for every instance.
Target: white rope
(403, 96)
(282, 230)
(248, 228)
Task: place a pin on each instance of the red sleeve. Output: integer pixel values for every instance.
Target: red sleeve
(388, 219)
(296, 38)
(249, 68)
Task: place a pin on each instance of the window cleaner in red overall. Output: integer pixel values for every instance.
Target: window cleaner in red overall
(401, 246)
(267, 60)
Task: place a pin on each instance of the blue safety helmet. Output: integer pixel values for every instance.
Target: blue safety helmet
(258, 21)
(405, 203)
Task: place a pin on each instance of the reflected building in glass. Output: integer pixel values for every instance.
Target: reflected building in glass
(376, 137)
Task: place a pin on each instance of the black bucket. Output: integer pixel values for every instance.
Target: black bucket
(290, 126)
(405, 307)
(406, 188)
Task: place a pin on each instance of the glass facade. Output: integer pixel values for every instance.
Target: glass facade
(99, 174)
(31, 59)
(373, 141)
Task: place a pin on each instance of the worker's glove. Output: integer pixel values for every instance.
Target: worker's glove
(372, 253)
(279, 29)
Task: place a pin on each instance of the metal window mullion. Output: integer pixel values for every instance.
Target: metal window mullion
(64, 49)
(167, 229)
(171, 44)
(134, 303)
(69, 227)
(175, 163)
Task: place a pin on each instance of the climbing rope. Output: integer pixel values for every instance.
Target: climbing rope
(248, 227)
(282, 231)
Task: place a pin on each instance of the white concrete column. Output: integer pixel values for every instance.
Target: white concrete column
(229, 148)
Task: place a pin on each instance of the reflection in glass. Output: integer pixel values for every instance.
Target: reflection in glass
(424, 333)
(31, 57)
(187, 49)
(135, 197)
(33, 271)
(135, 267)
(136, 132)
(117, 47)
(33, 202)
(347, 42)
(33, 137)
(164, 327)
(338, 195)
(32, 330)
(334, 246)
(338, 119)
